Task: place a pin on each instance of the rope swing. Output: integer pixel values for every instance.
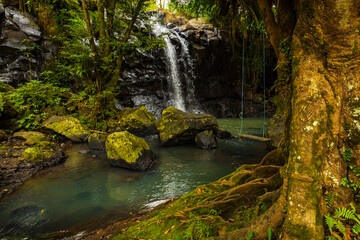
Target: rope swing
(242, 85)
(241, 115)
(264, 80)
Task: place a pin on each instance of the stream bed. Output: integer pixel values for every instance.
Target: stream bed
(86, 187)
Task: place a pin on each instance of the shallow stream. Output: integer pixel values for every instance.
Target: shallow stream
(86, 187)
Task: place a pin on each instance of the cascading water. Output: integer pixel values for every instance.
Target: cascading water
(179, 99)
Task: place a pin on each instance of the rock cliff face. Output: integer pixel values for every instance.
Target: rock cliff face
(216, 79)
(21, 56)
(210, 81)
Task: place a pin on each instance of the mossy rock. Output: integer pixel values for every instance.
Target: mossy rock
(31, 137)
(178, 127)
(206, 140)
(128, 151)
(67, 126)
(39, 152)
(3, 136)
(138, 121)
(97, 141)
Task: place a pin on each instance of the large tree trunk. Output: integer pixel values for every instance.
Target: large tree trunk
(325, 70)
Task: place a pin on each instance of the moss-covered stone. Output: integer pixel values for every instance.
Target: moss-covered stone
(97, 141)
(69, 127)
(39, 152)
(3, 136)
(138, 121)
(129, 151)
(31, 137)
(178, 127)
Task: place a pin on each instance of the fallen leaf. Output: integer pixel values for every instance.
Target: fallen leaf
(166, 232)
(42, 211)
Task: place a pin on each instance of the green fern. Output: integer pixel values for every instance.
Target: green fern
(330, 222)
(345, 213)
(341, 227)
(348, 155)
(329, 199)
(356, 228)
(341, 216)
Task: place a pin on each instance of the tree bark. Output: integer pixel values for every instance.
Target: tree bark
(324, 99)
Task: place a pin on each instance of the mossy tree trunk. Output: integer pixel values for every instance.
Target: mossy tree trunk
(325, 70)
(323, 107)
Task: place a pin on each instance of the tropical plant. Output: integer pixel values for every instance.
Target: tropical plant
(337, 221)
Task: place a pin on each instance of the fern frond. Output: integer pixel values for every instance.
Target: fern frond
(341, 227)
(345, 213)
(329, 221)
(329, 200)
(356, 229)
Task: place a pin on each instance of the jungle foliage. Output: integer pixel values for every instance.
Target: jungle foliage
(92, 37)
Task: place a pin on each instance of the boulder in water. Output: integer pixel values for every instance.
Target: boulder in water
(97, 141)
(128, 151)
(178, 127)
(206, 140)
(138, 121)
(223, 134)
(69, 127)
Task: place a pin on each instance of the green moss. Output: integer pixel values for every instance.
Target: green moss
(175, 124)
(39, 151)
(68, 126)
(126, 146)
(135, 118)
(31, 137)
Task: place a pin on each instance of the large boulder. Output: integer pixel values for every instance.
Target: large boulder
(97, 141)
(178, 127)
(206, 140)
(31, 137)
(138, 121)
(126, 150)
(67, 126)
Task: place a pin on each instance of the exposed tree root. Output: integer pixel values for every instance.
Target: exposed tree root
(272, 218)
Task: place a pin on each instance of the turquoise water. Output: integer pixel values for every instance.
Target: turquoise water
(86, 187)
(252, 126)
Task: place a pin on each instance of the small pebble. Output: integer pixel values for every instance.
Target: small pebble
(84, 152)
(93, 156)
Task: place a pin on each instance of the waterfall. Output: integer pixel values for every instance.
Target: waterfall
(179, 99)
(174, 75)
